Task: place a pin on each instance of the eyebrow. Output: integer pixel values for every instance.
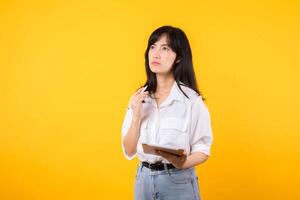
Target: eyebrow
(163, 45)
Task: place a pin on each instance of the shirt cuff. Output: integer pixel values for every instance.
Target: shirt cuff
(201, 148)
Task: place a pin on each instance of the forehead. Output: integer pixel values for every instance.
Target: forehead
(162, 40)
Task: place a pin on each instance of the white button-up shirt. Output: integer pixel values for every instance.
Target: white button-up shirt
(179, 122)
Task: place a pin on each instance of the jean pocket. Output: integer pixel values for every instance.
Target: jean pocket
(138, 172)
(182, 177)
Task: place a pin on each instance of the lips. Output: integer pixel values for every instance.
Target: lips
(155, 63)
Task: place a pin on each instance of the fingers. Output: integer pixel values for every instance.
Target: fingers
(142, 98)
(141, 90)
(166, 155)
(144, 88)
(145, 94)
(170, 156)
(139, 96)
(142, 95)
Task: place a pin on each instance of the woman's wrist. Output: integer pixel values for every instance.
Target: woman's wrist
(136, 119)
(185, 165)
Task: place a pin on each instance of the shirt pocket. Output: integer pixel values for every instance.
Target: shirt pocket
(172, 132)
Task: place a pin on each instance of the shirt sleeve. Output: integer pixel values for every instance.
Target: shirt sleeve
(201, 132)
(125, 127)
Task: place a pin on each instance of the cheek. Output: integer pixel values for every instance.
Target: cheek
(170, 60)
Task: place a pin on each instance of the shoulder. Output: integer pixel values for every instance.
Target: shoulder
(194, 100)
(193, 96)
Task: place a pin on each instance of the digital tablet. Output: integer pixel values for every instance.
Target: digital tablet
(151, 149)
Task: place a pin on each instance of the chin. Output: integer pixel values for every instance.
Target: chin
(154, 70)
(157, 70)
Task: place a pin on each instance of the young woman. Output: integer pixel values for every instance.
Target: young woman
(168, 111)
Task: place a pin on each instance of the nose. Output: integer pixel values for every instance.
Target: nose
(156, 53)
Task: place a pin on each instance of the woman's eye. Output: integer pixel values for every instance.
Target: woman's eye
(152, 47)
(165, 48)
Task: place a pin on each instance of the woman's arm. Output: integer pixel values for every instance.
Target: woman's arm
(194, 159)
(131, 138)
(183, 162)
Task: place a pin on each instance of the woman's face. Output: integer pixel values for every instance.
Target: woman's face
(161, 56)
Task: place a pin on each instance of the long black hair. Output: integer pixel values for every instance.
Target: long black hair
(182, 70)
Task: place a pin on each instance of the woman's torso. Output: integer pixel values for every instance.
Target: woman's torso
(166, 122)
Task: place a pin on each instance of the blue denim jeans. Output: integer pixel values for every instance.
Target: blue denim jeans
(169, 184)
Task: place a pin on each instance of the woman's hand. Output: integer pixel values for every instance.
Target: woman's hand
(136, 101)
(177, 161)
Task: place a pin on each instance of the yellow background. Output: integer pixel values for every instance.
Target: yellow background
(68, 68)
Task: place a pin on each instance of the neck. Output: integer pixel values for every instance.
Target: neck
(164, 83)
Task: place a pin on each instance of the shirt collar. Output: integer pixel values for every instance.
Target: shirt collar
(175, 94)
